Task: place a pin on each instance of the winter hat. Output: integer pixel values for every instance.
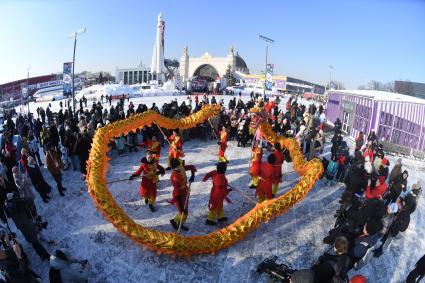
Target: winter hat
(358, 279)
(385, 162)
(392, 208)
(399, 161)
(303, 276)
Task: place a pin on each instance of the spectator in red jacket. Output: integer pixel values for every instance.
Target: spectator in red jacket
(378, 190)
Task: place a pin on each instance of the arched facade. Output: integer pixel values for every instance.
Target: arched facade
(206, 70)
(191, 66)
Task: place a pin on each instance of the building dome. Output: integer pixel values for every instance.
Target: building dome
(241, 65)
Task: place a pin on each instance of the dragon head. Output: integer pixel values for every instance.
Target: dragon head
(258, 116)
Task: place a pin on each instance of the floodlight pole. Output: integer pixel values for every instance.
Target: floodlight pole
(74, 34)
(267, 40)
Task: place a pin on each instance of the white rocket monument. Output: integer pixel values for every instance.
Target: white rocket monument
(157, 65)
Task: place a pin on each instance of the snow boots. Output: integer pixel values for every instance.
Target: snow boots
(176, 225)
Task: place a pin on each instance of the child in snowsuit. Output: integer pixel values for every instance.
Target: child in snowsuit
(120, 144)
(218, 194)
(149, 170)
(331, 171)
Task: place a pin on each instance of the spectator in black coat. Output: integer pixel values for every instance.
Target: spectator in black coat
(37, 180)
(355, 179)
(13, 262)
(82, 148)
(333, 267)
(23, 215)
(38, 126)
(337, 126)
(364, 243)
(70, 142)
(399, 185)
(54, 135)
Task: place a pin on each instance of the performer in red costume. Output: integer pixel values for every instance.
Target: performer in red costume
(254, 168)
(264, 188)
(176, 148)
(181, 191)
(153, 146)
(279, 158)
(150, 170)
(218, 194)
(223, 145)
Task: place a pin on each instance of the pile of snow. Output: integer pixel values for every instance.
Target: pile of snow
(96, 91)
(137, 90)
(249, 90)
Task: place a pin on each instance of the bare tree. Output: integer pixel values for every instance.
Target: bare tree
(377, 85)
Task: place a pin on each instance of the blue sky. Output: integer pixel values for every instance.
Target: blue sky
(379, 39)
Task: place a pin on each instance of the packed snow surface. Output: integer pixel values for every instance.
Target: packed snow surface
(296, 237)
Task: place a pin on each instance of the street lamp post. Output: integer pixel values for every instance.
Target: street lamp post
(267, 40)
(74, 35)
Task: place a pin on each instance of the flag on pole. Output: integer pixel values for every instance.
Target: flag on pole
(67, 79)
(269, 76)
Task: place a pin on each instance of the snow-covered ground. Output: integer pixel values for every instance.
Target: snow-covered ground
(296, 237)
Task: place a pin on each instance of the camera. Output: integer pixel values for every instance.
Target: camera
(278, 272)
